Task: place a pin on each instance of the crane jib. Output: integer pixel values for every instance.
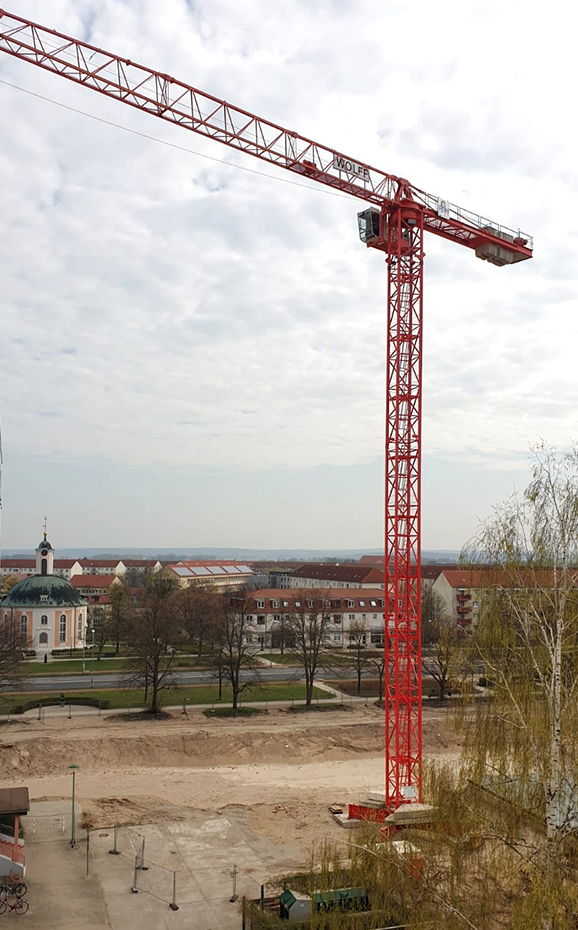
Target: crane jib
(351, 167)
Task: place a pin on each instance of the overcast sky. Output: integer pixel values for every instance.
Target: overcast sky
(193, 354)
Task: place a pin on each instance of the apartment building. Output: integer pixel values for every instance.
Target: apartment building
(343, 607)
(26, 568)
(95, 588)
(221, 575)
(329, 575)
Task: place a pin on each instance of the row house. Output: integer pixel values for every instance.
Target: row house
(329, 575)
(69, 568)
(221, 575)
(95, 588)
(25, 568)
(462, 590)
(342, 608)
(459, 591)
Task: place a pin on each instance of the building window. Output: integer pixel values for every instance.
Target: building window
(79, 633)
(373, 603)
(276, 618)
(352, 616)
(43, 639)
(249, 618)
(24, 626)
(351, 603)
(362, 603)
(44, 620)
(62, 636)
(297, 603)
(274, 603)
(260, 604)
(310, 604)
(337, 637)
(260, 619)
(285, 603)
(337, 618)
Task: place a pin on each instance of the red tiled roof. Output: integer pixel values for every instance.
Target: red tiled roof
(361, 574)
(93, 581)
(30, 563)
(432, 571)
(99, 563)
(377, 561)
(139, 563)
(495, 576)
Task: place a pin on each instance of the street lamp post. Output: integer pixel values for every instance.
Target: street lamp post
(74, 769)
(92, 660)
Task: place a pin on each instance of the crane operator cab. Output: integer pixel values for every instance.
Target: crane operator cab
(368, 222)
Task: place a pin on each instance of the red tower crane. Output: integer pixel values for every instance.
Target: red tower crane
(395, 219)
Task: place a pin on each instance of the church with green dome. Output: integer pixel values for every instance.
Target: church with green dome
(49, 610)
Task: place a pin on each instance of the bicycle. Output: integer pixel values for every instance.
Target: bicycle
(19, 905)
(12, 885)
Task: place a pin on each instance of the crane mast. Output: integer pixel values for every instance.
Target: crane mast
(394, 220)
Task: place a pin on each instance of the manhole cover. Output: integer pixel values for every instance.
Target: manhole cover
(104, 834)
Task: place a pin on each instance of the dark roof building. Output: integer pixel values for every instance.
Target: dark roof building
(43, 590)
(321, 574)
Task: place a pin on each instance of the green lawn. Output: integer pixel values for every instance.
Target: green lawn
(285, 659)
(193, 694)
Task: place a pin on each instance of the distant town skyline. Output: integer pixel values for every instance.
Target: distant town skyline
(192, 343)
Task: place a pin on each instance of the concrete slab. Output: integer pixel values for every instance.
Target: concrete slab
(193, 857)
(61, 896)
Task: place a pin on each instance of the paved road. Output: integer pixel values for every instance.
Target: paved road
(112, 680)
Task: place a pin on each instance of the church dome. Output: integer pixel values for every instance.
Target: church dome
(43, 544)
(43, 591)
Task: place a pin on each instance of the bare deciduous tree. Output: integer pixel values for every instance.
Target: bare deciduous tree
(154, 635)
(307, 626)
(441, 662)
(12, 645)
(234, 651)
(358, 635)
(197, 606)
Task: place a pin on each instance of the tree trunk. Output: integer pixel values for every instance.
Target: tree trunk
(155, 697)
(308, 689)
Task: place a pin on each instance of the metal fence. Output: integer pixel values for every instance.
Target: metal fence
(178, 887)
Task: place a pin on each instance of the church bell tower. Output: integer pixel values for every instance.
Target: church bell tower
(44, 556)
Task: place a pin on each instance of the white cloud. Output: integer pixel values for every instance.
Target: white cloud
(160, 308)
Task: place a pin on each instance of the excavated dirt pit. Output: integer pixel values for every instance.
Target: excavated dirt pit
(282, 769)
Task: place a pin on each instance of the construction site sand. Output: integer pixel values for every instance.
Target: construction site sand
(283, 769)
